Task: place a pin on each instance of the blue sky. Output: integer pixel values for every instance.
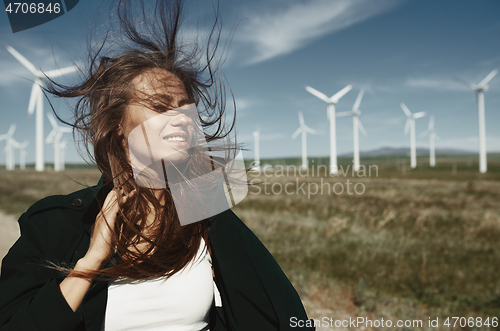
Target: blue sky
(398, 50)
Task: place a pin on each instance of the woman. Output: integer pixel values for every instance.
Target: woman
(118, 256)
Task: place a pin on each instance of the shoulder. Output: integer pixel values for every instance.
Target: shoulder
(78, 200)
(230, 236)
(57, 218)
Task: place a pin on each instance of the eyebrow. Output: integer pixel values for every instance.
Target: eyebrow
(168, 99)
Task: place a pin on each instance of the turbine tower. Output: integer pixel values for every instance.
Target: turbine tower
(331, 116)
(410, 125)
(432, 137)
(356, 124)
(480, 88)
(55, 137)
(256, 135)
(9, 159)
(9, 154)
(36, 99)
(22, 153)
(62, 145)
(304, 129)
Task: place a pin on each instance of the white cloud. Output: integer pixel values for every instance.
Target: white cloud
(278, 32)
(243, 103)
(435, 84)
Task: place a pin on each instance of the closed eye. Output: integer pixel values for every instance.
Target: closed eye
(160, 108)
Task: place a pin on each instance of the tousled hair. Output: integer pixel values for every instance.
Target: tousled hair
(103, 95)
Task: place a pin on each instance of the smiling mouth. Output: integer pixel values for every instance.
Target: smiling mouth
(175, 139)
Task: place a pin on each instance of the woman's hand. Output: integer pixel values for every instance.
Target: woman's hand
(74, 288)
(100, 250)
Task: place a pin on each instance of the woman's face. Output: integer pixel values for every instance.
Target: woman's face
(158, 121)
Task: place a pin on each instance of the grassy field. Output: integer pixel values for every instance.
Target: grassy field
(408, 244)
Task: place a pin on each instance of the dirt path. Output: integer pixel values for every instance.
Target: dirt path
(9, 232)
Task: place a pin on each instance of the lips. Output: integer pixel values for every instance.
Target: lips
(176, 137)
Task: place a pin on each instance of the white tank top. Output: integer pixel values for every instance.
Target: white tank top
(180, 303)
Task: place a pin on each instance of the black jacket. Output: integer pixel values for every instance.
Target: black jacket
(256, 294)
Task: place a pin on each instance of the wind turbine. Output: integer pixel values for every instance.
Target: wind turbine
(480, 88)
(22, 153)
(356, 124)
(55, 137)
(331, 116)
(9, 158)
(256, 135)
(410, 125)
(432, 135)
(62, 145)
(36, 99)
(304, 129)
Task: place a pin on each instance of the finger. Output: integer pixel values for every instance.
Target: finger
(110, 201)
(125, 196)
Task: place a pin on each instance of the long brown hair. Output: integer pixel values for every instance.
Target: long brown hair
(103, 96)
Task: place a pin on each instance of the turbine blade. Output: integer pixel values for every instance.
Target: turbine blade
(301, 118)
(15, 143)
(53, 121)
(361, 128)
(431, 123)
(464, 83)
(27, 64)
(35, 94)
(423, 134)
(405, 109)
(296, 133)
(25, 144)
(419, 115)
(438, 137)
(343, 113)
(336, 97)
(12, 129)
(487, 79)
(317, 94)
(65, 130)
(59, 134)
(358, 100)
(407, 125)
(60, 72)
(308, 129)
(51, 136)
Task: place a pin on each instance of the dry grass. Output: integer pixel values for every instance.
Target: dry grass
(20, 189)
(406, 248)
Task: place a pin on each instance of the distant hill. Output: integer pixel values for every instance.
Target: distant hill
(406, 150)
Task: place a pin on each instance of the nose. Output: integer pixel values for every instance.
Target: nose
(181, 119)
